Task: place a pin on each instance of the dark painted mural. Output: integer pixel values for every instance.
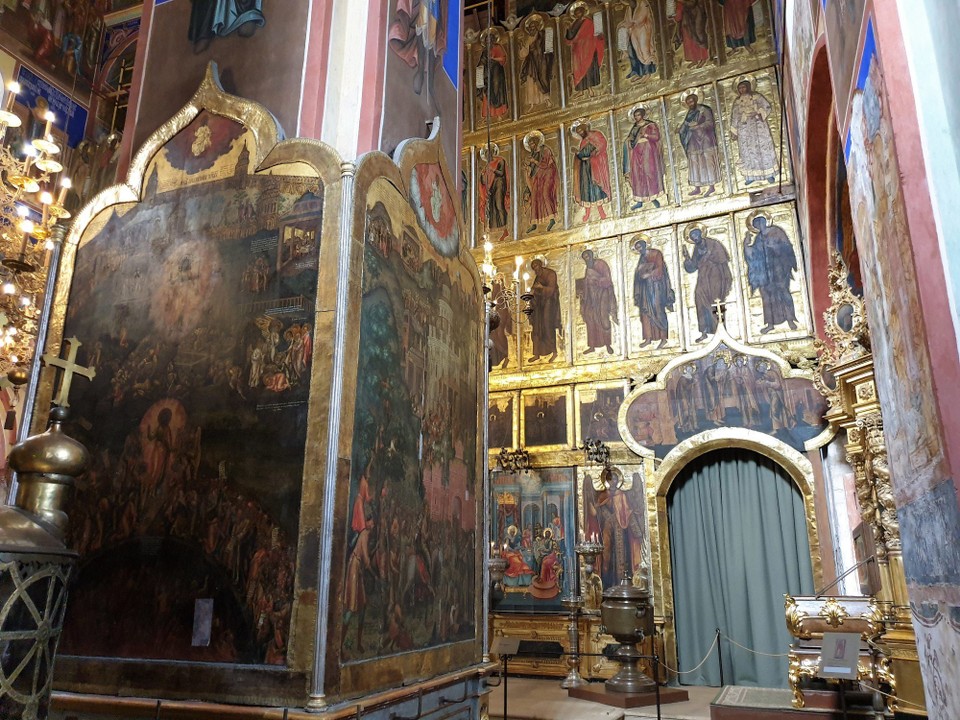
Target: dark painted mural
(409, 575)
(196, 308)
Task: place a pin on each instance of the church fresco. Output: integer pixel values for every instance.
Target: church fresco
(537, 52)
(597, 408)
(586, 59)
(590, 167)
(646, 176)
(545, 334)
(752, 115)
(545, 421)
(653, 291)
(495, 192)
(409, 567)
(843, 20)
(540, 187)
(598, 327)
(616, 516)
(534, 529)
(726, 387)
(196, 306)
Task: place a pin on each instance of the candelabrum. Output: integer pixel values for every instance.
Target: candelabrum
(573, 604)
(513, 460)
(497, 565)
(591, 585)
(596, 451)
(32, 198)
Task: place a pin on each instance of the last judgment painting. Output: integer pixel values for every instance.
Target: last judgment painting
(196, 308)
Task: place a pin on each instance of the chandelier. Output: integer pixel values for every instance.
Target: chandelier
(29, 212)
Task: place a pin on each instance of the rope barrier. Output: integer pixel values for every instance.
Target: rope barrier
(755, 652)
(895, 698)
(700, 665)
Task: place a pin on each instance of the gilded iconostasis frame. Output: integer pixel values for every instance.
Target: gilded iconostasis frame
(538, 129)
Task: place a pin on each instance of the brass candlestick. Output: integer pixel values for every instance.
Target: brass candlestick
(591, 585)
(573, 603)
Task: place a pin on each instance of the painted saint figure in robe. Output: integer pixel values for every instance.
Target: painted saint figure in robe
(210, 19)
(743, 382)
(598, 302)
(543, 182)
(711, 262)
(641, 45)
(591, 187)
(545, 323)
(643, 160)
(418, 36)
(536, 68)
(750, 128)
(494, 199)
(698, 136)
(771, 262)
(739, 25)
(652, 293)
(493, 95)
(499, 340)
(586, 50)
(692, 32)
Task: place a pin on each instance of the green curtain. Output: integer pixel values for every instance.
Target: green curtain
(738, 542)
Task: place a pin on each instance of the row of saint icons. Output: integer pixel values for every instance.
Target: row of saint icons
(636, 40)
(642, 164)
(767, 251)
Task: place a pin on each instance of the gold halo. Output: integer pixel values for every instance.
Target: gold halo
(514, 528)
(534, 19)
(541, 258)
(639, 106)
(494, 31)
(688, 93)
(548, 532)
(690, 228)
(754, 215)
(640, 237)
(493, 147)
(577, 123)
(745, 79)
(533, 134)
(579, 5)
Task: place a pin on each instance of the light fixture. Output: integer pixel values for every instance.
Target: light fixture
(30, 209)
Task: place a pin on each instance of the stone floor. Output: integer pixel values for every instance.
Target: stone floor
(537, 699)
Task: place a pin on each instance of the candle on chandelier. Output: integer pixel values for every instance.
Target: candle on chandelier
(516, 273)
(49, 117)
(13, 89)
(526, 282)
(45, 199)
(65, 185)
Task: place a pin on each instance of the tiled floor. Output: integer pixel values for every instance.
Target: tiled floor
(536, 699)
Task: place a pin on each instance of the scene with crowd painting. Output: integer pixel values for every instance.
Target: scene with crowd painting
(534, 530)
(410, 565)
(195, 306)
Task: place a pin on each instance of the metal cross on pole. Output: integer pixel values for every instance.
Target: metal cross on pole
(70, 367)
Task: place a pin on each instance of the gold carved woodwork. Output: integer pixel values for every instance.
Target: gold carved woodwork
(809, 618)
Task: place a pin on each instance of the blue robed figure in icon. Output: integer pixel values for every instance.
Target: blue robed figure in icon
(220, 18)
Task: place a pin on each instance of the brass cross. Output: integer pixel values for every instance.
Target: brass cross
(70, 368)
(720, 308)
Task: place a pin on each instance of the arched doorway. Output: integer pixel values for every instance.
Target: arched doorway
(738, 542)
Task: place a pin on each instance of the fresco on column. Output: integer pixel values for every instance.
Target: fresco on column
(843, 20)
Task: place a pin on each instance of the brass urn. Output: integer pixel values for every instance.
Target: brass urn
(627, 614)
